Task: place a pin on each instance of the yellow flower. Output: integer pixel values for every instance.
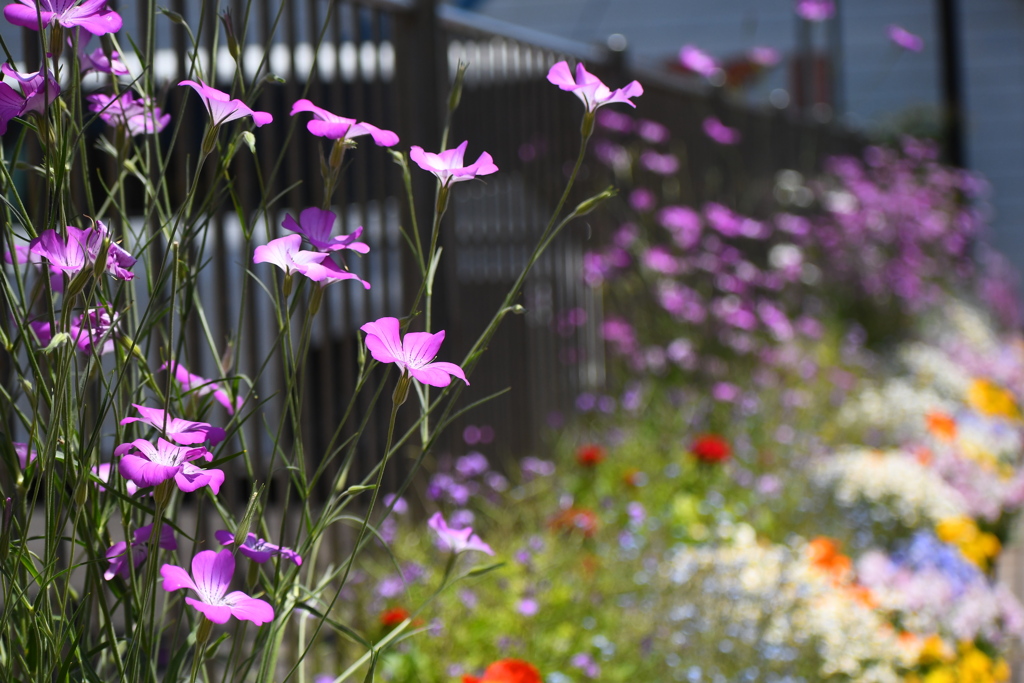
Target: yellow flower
(988, 398)
(980, 547)
(943, 674)
(934, 650)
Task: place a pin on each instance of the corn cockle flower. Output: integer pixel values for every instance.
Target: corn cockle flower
(334, 127)
(117, 555)
(257, 549)
(151, 465)
(26, 455)
(39, 88)
(286, 254)
(82, 247)
(413, 354)
(448, 165)
(98, 61)
(696, 60)
(92, 15)
(719, 132)
(102, 472)
(904, 38)
(815, 10)
(316, 225)
(185, 432)
(202, 386)
(211, 576)
(456, 540)
(222, 108)
(589, 87)
(138, 115)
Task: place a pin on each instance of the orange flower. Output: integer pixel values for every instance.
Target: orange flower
(391, 618)
(507, 671)
(575, 519)
(941, 425)
(589, 455)
(825, 557)
(863, 595)
(710, 448)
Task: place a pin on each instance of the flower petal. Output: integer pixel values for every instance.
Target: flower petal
(176, 578)
(218, 614)
(242, 606)
(384, 341)
(212, 572)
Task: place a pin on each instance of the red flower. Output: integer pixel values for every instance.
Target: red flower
(391, 618)
(507, 671)
(575, 519)
(711, 448)
(589, 455)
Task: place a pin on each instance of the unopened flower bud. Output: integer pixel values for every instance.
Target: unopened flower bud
(401, 389)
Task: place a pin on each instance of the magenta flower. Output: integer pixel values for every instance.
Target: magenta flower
(98, 61)
(589, 87)
(137, 115)
(334, 127)
(765, 57)
(102, 472)
(81, 248)
(905, 39)
(211, 576)
(202, 386)
(26, 455)
(11, 106)
(815, 10)
(448, 165)
(284, 252)
(117, 555)
(721, 133)
(316, 225)
(696, 60)
(92, 15)
(222, 108)
(456, 540)
(257, 549)
(39, 89)
(180, 431)
(152, 465)
(93, 331)
(412, 355)
(662, 164)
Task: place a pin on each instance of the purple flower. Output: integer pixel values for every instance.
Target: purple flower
(662, 164)
(152, 465)
(764, 56)
(725, 392)
(97, 60)
(38, 89)
(904, 38)
(535, 467)
(683, 222)
(472, 464)
(413, 354)
(102, 472)
(719, 132)
(284, 252)
(400, 506)
(137, 115)
(26, 456)
(81, 248)
(528, 607)
(615, 121)
(448, 165)
(202, 386)
(815, 10)
(117, 555)
(334, 127)
(589, 87)
(223, 109)
(696, 60)
(257, 549)
(585, 663)
(179, 431)
(93, 331)
(212, 574)
(652, 131)
(316, 225)
(92, 15)
(456, 540)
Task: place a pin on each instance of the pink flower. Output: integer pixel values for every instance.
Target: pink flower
(662, 164)
(334, 127)
(316, 225)
(284, 252)
(589, 87)
(38, 89)
(176, 429)
(905, 39)
(97, 60)
(448, 165)
(223, 109)
(93, 331)
(815, 10)
(412, 355)
(202, 386)
(720, 133)
(117, 555)
(137, 115)
(81, 248)
(765, 57)
(456, 540)
(26, 456)
(152, 465)
(102, 472)
(92, 15)
(256, 549)
(696, 60)
(212, 572)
